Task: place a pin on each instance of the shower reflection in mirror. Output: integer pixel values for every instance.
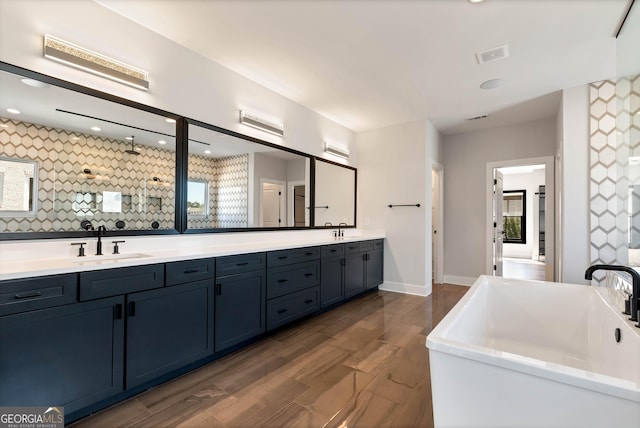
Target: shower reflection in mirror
(18, 181)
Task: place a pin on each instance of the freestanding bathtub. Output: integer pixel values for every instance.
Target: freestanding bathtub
(516, 353)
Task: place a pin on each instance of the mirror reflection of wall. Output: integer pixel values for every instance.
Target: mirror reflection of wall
(249, 184)
(97, 160)
(335, 194)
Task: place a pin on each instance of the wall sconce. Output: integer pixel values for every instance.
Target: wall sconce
(254, 121)
(75, 56)
(336, 150)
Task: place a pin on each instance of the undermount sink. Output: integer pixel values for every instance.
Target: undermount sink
(109, 258)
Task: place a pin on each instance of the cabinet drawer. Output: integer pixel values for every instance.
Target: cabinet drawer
(351, 248)
(230, 265)
(113, 282)
(365, 246)
(336, 250)
(378, 244)
(291, 307)
(296, 255)
(27, 294)
(189, 271)
(286, 279)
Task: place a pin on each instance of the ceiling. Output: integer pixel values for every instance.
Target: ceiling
(367, 64)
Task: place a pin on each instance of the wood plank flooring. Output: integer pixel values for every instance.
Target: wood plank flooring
(363, 364)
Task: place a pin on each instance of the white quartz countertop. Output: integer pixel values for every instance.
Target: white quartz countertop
(60, 257)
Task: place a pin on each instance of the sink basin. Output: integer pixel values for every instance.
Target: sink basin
(109, 258)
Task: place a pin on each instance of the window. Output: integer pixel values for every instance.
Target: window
(198, 198)
(514, 216)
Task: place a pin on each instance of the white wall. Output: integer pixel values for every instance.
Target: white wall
(180, 81)
(395, 168)
(465, 158)
(573, 152)
(529, 182)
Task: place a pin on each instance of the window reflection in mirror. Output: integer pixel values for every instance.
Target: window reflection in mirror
(250, 185)
(335, 194)
(18, 178)
(97, 160)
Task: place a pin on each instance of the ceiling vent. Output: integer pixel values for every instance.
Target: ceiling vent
(493, 54)
(482, 116)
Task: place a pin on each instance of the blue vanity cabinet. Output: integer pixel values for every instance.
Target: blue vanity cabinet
(374, 262)
(240, 300)
(71, 355)
(293, 285)
(353, 270)
(167, 329)
(332, 267)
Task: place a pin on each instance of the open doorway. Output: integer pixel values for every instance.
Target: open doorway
(437, 224)
(272, 203)
(525, 217)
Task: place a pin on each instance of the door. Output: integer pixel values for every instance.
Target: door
(331, 281)
(71, 356)
(240, 308)
(498, 223)
(167, 329)
(374, 268)
(272, 204)
(354, 274)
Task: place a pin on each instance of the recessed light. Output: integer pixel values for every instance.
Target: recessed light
(13, 111)
(128, 138)
(475, 1)
(162, 142)
(491, 84)
(169, 120)
(208, 152)
(34, 83)
(95, 128)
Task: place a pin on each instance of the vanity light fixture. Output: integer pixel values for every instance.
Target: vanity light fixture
(336, 150)
(84, 59)
(257, 122)
(13, 111)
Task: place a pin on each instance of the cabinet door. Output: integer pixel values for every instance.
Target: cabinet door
(240, 308)
(331, 281)
(374, 268)
(168, 329)
(353, 274)
(69, 356)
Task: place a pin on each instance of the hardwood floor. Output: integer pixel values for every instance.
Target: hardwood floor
(363, 364)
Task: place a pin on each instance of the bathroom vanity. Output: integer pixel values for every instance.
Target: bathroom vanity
(86, 334)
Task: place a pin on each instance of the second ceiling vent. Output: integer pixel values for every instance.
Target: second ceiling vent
(493, 54)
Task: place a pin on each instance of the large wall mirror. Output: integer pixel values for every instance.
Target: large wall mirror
(68, 159)
(238, 183)
(335, 194)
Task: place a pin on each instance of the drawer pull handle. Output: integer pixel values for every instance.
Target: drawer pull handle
(218, 289)
(132, 309)
(352, 248)
(308, 301)
(283, 257)
(309, 254)
(242, 264)
(308, 274)
(282, 311)
(333, 251)
(117, 312)
(27, 295)
(192, 271)
(282, 280)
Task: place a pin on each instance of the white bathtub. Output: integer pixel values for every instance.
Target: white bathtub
(518, 353)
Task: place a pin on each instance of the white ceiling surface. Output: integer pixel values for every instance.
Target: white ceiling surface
(367, 64)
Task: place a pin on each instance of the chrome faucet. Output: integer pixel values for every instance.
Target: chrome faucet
(100, 230)
(635, 277)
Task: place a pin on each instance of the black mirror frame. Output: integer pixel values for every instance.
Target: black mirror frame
(182, 148)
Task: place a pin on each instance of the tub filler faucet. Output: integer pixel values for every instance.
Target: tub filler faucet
(635, 277)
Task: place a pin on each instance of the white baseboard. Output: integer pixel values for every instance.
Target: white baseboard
(459, 280)
(398, 287)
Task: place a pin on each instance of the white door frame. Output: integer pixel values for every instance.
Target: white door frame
(550, 230)
(438, 223)
(283, 208)
(291, 200)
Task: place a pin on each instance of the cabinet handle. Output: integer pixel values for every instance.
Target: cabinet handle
(192, 271)
(282, 311)
(309, 254)
(308, 274)
(218, 289)
(27, 295)
(333, 251)
(282, 280)
(283, 257)
(352, 248)
(132, 309)
(117, 312)
(242, 264)
(308, 301)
